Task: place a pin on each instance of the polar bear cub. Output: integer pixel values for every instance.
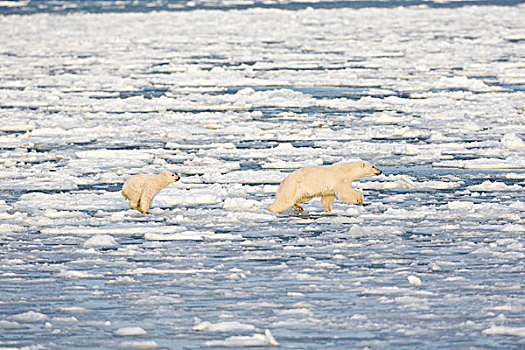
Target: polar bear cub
(327, 182)
(140, 189)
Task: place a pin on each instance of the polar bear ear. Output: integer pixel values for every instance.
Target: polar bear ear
(363, 164)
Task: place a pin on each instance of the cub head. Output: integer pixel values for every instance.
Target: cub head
(169, 177)
(368, 169)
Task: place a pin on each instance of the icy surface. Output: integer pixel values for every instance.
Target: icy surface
(233, 101)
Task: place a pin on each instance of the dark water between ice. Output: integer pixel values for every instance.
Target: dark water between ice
(97, 6)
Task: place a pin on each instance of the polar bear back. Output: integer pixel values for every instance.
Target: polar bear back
(315, 181)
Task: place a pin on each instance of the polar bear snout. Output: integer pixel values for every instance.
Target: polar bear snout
(175, 177)
(376, 171)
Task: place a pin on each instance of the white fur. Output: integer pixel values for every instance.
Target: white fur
(140, 189)
(326, 182)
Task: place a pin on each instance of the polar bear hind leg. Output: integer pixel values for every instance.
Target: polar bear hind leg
(146, 199)
(296, 205)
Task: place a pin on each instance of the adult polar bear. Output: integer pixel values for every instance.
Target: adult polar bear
(327, 182)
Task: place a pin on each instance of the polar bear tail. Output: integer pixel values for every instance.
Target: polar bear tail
(285, 197)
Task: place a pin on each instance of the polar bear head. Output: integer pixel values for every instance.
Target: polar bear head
(168, 177)
(353, 171)
(368, 169)
(358, 170)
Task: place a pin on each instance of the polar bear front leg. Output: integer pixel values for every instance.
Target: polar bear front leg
(349, 195)
(328, 203)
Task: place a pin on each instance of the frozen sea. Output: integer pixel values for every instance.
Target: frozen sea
(233, 95)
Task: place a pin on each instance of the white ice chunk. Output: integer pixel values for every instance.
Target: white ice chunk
(100, 241)
(6, 325)
(156, 300)
(61, 214)
(265, 339)
(223, 327)
(190, 236)
(110, 230)
(72, 310)
(282, 164)
(483, 163)
(120, 154)
(129, 332)
(514, 176)
(461, 82)
(8, 228)
(154, 271)
(295, 294)
(355, 231)
(75, 274)
(14, 3)
(414, 281)
(29, 317)
(502, 330)
(512, 141)
(513, 228)
(299, 311)
(173, 197)
(144, 344)
(461, 205)
(239, 204)
(494, 186)
(246, 176)
(384, 119)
